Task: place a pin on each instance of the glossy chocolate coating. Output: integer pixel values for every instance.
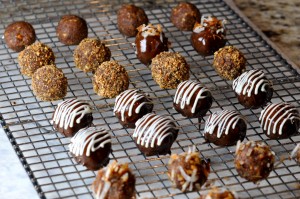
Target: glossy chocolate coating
(209, 38)
(130, 17)
(18, 35)
(192, 99)
(130, 106)
(147, 47)
(254, 160)
(219, 128)
(185, 15)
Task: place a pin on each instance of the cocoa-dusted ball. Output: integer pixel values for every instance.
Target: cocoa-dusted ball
(18, 35)
(296, 153)
(49, 83)
(71, 30)
(129, 18)
(229, 62)
(91, 147)
(169, 69)
(34, 57)
(110, 79)
(219, 193)
(225, 128)
(280, 120)
(192, 99)
(185, 15)
(154, 134)
(90, 54)
(253, 89)
(70, 116)
(187, 171)
(149, 42)
(130, 106)
(209, 36)
(254, 160)
(115, 181)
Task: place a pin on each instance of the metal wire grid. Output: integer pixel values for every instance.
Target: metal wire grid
(44, 153)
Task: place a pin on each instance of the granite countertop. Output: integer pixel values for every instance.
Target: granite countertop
(279, 20)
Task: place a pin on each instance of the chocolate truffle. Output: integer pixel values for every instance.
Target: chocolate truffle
(296, 153)
(154, 134)
(149, 42)
(49, 83)
(90, 53)
(115, 181)
(91, 147)
(18, 35)
(192, 99)
(209, 35)
(34, 57)
(280, 120)
(187, 171)
(130, 106)
(110, 79)
(70, 116)
(254, 160)
(229, 62)
(130, 17)
(185, 15)
(253, 89)
(169, 69)
(219, 193)
(71, 29)
(225, 128)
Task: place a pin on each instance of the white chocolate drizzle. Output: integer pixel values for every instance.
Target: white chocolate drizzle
(251, 82)
(295, 151)
(151, 128)
(66, 112)
(185, 92)
(90, 139)
(276, 115)
(126, 101)
(222, 120)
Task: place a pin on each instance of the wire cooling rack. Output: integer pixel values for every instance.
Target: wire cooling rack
(44, 152)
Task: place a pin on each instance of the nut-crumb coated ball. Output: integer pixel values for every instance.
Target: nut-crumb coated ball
(254, 160)
(296, 153)
(49, 83)
(185, 15)
(187, 171)
(18, 35)
(129, 18)
(229, 62)
(34, 57)
(110, 79)
(219, 193)
(90, 54)
(71, 29)
(169, 70)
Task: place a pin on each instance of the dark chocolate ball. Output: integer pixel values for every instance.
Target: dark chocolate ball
(90, 54)
(229, 62)
(70, 116)
(187, 171)
(296, 153)
(209, 36)
(91, 147)
(18, 35)
(225, 128)
(130, 106)
(185, 15)
(149, 42)
(71, 30)
(130, 17)
(280, 120)
(115, 181)
(49, 83)
(253, 89)
(192, 99)
(219, 193)
(254, 160)
(154, 134)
